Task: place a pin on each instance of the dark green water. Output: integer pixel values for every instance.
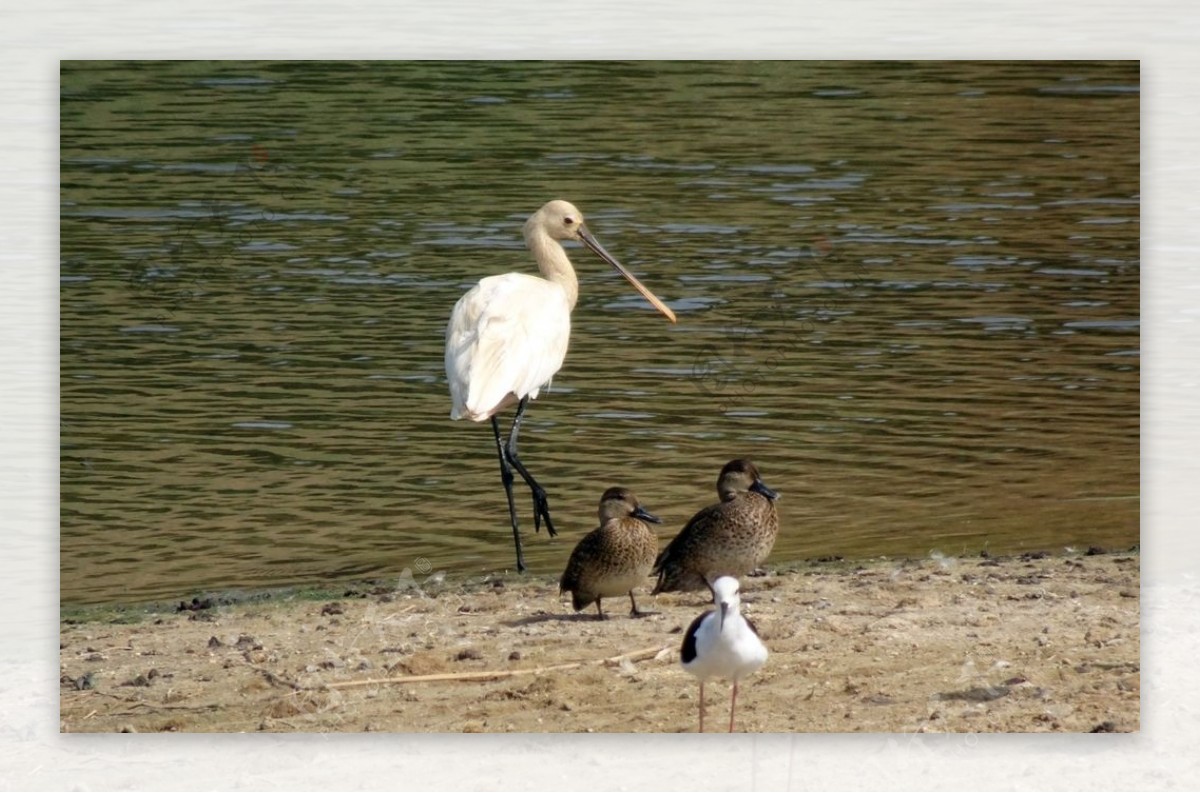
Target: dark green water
(910, 292)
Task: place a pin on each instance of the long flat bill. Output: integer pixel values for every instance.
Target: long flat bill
(598, 249)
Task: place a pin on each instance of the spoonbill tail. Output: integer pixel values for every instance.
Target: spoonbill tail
(508, 336)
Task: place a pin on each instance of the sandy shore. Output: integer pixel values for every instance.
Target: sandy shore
(1019, 644)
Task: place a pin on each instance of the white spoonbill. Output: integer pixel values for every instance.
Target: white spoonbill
(508, 336)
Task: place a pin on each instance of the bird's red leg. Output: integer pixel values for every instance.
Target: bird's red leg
(732, 705)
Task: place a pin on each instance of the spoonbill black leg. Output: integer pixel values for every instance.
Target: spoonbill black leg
(541, 506)
(506, 477)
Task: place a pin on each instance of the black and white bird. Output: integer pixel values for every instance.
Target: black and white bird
(722, 643)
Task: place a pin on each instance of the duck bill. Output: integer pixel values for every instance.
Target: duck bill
(598, 249)
(646, 516)
(759, 487)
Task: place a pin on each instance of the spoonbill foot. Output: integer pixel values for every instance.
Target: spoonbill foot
(541, 511)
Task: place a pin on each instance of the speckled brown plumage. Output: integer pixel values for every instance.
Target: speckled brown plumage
(730, 538)
(614, 558)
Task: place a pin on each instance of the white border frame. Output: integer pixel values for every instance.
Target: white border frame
(33, 755)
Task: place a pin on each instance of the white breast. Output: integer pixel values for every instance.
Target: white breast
(732, 653)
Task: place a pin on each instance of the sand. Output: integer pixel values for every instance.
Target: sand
(1036, 643)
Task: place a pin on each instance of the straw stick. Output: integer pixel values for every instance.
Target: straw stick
(500, 674)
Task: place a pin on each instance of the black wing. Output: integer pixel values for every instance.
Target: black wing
(687, 653)
(753, 627)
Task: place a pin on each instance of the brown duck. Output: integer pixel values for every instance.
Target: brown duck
(614, 558)
(727, 539)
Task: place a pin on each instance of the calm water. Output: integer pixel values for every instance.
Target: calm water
(910, 292)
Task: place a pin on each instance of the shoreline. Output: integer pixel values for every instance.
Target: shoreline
(1036, 642)
(134, 610)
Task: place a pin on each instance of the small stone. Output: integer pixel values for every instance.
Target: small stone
(245, 642)
(196, 605)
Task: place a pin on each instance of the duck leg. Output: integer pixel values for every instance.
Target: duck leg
(633, 612)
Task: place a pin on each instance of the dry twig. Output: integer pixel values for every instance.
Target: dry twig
(500, 674)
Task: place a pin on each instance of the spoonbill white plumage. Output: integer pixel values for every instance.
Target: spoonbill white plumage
(508, 336)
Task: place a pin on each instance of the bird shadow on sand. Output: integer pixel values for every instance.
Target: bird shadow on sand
(581, 616)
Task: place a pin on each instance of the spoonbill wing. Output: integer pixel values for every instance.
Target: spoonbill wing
(506, 338)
